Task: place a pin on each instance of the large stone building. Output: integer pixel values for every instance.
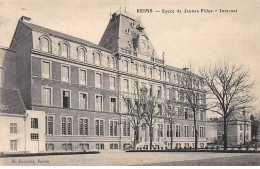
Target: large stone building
(80, 85)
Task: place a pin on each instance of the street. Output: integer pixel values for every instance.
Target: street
(119, 158)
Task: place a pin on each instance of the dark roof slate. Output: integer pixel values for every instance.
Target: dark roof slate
(64, 36)
(11, 102)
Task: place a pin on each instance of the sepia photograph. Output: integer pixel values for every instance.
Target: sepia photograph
(129, 83)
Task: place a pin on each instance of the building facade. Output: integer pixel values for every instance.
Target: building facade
(80, 85)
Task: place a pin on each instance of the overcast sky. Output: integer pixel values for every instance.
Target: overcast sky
(200, 38)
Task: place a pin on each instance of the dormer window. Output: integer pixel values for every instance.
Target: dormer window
(64, 50)
(82, 54)
(112, 63)
(127, 31)
(45, 44)
(125, 66)
(132, 24)
(97, 58)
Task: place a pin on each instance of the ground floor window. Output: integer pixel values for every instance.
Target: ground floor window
(67, 147)
(113, 146)
(100, 146)
(193, 145)
(201, 145)
(178, 145)
(84, 147)
(13, 145)
(186, 145)
(49, 147)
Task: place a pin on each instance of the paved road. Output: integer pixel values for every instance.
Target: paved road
(143, 158)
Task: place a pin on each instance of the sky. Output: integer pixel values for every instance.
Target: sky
(199, 38)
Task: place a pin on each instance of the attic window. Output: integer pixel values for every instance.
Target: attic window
(132, 24)
(127, 31)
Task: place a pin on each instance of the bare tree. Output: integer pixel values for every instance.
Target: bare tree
(151, 113)
(135, 113)
(193, 96)
(230, 91)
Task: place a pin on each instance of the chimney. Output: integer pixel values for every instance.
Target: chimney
(25, 19)
(185, 69)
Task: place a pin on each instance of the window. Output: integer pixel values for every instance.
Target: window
(126, 129)
(178, 145)
(98, 80)
(1, 76)
(241, 127)
(46, 96)
(49, 124)
(201, 115)
(168, 93)
(13, 128)
(81, 54)
(112, 63)
(178, 130)
(186, 131)
(159, 74)
(168, 76)
(64, 50)
(160, 109)
(13, 145)
(186, 145)
(100, 146)
(34, 123)
(65, 73)
(151, 90)
(99, 103)
(99, 127)
(83, 126)
(46, 69)
(82, 77)
(143, 70)
(159, 92)
(127, 31)
(97, 58)
(186, 113)
(113, 105)
(177, 95)
(143, 84)
(113, 146)
(160, 130)
(108, 61)
(126, 85)
(125, 66)
(201, 145)
(136, 87)
(45, 45)
(201, 131)
(112, 83)
(34, 136)
(66, 126)
(113, 128)
(192, 131)
(67, 147)
(83, 101)
(84, 146)
(136, 69)
(168, 130)
(49, 147)
(150, 72)
(177, 111)
(66, 99)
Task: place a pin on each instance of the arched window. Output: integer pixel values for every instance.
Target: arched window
(159, 74)
(112, 63)
(82, 54)
(64, 50)
(126, 66)
(45, 44)
(150, 72)
(143, 70)
(97, 58)
(136, 68)
(168, 76)
(108, 61)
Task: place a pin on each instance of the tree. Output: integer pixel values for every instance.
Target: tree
(151, 113)
(194, 97)
(230, 91)
(254, 128)
(135, 113)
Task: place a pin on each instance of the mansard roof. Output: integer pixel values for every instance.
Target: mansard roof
(64, 36)
(11, 101)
